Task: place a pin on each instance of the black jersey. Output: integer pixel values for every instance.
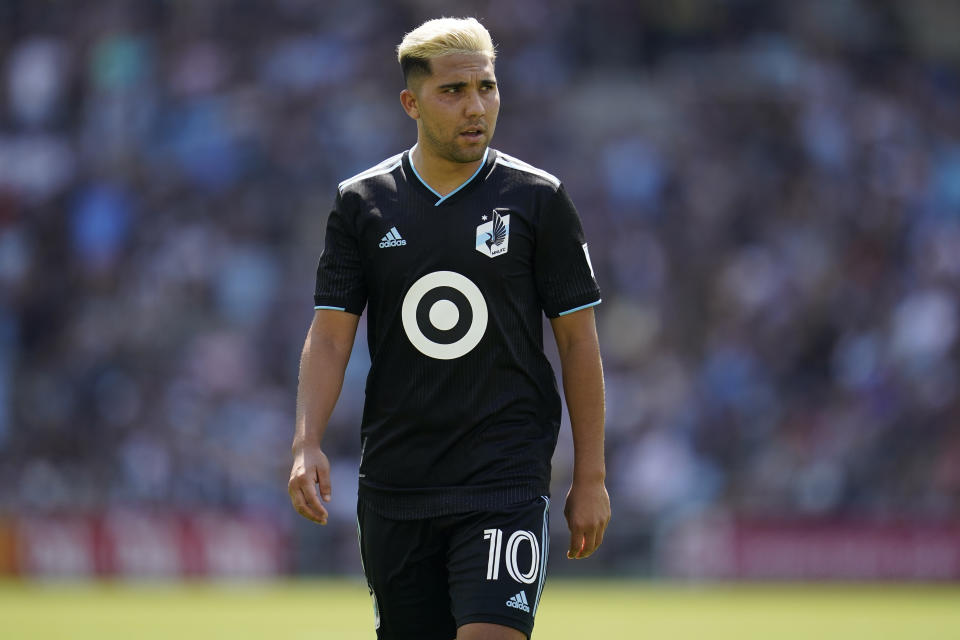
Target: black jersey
(462, 410)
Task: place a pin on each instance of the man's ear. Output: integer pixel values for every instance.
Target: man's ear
(410, 105)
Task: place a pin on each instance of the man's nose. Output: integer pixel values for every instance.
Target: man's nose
(474, 106)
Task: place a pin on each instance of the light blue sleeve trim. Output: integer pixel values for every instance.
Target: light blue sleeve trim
(583, 306)
(483, 163)
(331, 308)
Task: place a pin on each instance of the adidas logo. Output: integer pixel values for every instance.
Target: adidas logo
(519, 601)
(392, 239)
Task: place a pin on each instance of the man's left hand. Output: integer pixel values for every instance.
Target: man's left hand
(588, 513)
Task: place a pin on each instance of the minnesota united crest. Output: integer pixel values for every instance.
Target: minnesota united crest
(493, 237)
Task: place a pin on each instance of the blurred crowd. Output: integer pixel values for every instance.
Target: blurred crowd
(770, 190)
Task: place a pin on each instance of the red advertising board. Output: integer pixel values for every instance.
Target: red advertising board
(143, 544)
(719, 547)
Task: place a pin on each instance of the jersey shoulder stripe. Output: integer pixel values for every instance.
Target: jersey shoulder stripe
(386, 166)
(520, 165)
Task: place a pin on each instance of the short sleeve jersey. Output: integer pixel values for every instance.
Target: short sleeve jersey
(462, 410)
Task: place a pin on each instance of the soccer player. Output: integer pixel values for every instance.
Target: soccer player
(456, 250)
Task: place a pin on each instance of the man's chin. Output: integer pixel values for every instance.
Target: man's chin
(470, 153)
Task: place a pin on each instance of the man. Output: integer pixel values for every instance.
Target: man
(456, 250)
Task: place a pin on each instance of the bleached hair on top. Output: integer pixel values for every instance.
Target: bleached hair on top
(440, 37)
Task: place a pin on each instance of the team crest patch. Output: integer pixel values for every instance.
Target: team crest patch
(493, 236)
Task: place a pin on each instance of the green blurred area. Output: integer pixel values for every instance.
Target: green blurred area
(341, 610)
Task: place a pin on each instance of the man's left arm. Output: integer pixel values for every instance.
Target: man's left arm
(588, 505)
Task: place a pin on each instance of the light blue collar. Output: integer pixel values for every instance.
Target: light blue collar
(483, 163)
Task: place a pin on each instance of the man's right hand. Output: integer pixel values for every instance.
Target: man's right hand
(311, 470)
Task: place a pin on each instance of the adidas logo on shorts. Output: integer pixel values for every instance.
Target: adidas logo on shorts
(392, 239)
(519, 601)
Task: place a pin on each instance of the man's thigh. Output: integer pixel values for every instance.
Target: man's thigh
(405, 565)
(497, 565)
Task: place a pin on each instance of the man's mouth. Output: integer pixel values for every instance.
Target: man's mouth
(473, 133)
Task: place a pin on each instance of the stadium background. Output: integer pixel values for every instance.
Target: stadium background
(771, 191)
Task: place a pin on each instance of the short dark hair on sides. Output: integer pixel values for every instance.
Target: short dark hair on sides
(414, 68)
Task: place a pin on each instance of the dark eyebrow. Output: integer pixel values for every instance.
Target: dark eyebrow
(460, 85)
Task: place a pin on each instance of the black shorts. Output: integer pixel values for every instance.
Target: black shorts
(429, 577)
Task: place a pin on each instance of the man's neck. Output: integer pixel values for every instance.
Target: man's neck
(443, 176)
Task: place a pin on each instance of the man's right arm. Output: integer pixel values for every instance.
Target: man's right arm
(326, 352)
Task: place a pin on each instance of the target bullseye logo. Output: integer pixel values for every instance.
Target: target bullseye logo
(444, 315)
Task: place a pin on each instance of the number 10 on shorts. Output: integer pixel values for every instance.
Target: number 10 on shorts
(495, 536)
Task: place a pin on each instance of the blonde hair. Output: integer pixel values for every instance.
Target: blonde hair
(440, 37)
